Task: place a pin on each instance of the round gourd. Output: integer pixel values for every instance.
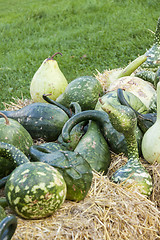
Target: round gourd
(85, 90)
(35, 190)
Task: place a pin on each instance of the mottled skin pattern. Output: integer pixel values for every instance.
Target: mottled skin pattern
(124, 120)
(35, 190)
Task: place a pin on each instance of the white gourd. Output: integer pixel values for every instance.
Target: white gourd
(151, 138)
(48, 79)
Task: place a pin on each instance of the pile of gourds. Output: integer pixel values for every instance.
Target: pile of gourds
(81, 123)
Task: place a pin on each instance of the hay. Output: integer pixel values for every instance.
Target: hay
(109, 211)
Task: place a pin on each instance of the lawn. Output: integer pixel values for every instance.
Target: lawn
(92, 34)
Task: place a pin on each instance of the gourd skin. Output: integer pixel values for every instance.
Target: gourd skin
(35, 190)
(151, 138)
(132, 173)
(41, 120)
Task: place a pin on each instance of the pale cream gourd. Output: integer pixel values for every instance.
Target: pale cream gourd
(48, 79)
(151, 138)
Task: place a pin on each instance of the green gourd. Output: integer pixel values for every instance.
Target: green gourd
(151, 138)
(133, 173)
(35, 190)
(85, 90)
(75, 169)
(41, 120)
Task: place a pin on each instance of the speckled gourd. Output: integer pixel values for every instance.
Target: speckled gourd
(35, 190)
(85, 90)
(133, 173)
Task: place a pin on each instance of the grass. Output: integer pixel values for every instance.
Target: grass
(91, 35)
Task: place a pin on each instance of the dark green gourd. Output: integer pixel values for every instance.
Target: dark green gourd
(75, 169)
(145, 121)
(85, 90)
(41, 120)
(8, 225)
(133, 173)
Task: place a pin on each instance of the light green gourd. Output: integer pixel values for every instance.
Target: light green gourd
(151, 138)
(133, 172)
(48, 79)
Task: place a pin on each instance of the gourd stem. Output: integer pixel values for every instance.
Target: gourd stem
(7, 120)
(49, 100)
(51, 58)
(132, 66)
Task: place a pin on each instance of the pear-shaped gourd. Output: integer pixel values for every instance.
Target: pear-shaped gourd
(48, 79)
(151, 139)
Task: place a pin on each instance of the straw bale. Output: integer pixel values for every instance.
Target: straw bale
(110, 212)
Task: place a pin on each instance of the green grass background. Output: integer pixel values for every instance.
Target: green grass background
(109, 33)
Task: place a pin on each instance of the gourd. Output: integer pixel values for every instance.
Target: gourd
(144, 90)
(151, 138)
(11, 131)
(85, 90)
(8, 225)
(48, 79)
(133, 173)
(41, 120)
(12, 157)
(153, 53)
(144, 121)
(76, 171)
(35, 190)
